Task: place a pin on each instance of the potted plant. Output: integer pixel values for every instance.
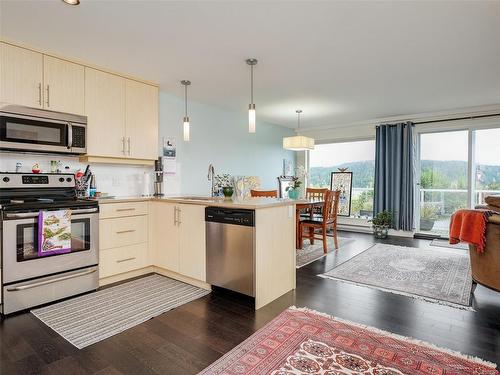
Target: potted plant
(381, 223)
(293, 188)
(225, 183)
(428, 216)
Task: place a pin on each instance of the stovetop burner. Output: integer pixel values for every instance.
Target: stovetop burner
(20, 193)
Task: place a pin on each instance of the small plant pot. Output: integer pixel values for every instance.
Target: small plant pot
(426, 224)
(380, 231)
(228, 192)
(293, 194)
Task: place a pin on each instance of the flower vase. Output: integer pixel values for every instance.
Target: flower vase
(293, 194)
(228, 192)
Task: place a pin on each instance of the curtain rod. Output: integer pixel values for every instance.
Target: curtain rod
(457, 118)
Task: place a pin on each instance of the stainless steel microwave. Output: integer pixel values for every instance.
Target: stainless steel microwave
(32, 129)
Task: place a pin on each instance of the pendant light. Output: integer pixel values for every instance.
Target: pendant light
(185, 125)
(298, 142)
(251, 106)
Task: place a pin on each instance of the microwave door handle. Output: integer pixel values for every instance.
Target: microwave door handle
(70, 135)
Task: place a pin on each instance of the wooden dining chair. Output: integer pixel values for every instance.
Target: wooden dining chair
(308, 228)
(314, 193)
(264, 193)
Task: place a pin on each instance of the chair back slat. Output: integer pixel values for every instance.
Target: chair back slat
(314, 193)
(264, 193)
(331, 205)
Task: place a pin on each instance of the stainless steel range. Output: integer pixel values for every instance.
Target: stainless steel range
(29, 279)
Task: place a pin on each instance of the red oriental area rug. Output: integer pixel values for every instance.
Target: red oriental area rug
(303, 341)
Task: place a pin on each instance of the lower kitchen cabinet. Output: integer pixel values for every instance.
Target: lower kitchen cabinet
(123, 239)
(178, 232)
(164, 235)
(122, 259)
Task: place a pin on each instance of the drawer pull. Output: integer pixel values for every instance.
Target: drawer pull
(125, 231)
(125, 260)
(124, 209)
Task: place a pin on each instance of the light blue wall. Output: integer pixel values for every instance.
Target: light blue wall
(221, 137)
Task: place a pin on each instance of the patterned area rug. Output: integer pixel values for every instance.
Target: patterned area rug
(309, 253)
(303, 341)
(93, 317)
(439, 275)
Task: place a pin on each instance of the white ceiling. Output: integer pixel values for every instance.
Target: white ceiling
(340, 62)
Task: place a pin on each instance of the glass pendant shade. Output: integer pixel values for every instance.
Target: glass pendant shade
(298, 143)
(185, 129)
(251, 118)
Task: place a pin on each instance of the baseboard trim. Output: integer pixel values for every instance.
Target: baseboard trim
(184, 279)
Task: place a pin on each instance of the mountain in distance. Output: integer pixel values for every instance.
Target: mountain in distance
(435, 173)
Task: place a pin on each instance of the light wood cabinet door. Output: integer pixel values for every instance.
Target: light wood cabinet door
(192, 246)
(141, 120)
(21, 73)
(122, 231)
(166, 235)
(64, 85)
(105, 111)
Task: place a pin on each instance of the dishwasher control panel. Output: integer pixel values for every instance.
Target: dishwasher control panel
(230, 216)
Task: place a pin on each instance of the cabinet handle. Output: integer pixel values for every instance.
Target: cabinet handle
(123, 145)
(48, 96)
(124, 260)
(128, 142)
(179, 222)
(175, 215)
(40, 93)
(124, 209)
(125, 231)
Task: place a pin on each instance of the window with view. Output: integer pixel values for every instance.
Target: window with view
(359, 158)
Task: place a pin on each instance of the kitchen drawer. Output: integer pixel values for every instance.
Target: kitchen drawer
(122, 259)
(122, 231)
(108, 210)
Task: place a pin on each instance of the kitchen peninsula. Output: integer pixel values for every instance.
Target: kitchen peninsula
(168, 236)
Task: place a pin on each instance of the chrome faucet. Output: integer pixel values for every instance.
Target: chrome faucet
(210, 176)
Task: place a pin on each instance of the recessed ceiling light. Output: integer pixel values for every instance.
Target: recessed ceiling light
(72, 2)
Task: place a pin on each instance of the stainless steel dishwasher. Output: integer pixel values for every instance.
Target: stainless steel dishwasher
(230, 236)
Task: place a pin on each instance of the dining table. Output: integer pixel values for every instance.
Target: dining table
(308, 205)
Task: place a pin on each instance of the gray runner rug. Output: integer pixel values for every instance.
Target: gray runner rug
(93, 317)
(437, 275)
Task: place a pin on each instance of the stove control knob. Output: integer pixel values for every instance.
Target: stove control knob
(69, 179)
(6, 179)
(61, 179)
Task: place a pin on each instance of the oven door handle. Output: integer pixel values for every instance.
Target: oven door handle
(25, 215)
(40, 283)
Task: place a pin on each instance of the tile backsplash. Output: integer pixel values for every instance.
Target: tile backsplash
(114, 179)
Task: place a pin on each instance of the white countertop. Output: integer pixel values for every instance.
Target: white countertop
(248, 203)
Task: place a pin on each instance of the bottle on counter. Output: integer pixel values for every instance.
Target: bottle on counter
(93, 188)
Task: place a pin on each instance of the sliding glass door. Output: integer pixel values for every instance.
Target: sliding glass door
(443, 179)
(457, 169)
(487, 164)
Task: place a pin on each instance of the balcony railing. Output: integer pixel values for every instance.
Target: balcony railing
(437, 206)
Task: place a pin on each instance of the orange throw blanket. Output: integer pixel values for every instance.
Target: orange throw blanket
(469, 226)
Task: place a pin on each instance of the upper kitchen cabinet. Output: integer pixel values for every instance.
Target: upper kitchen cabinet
(64, 85)
(122, 111)
(141, 120)
(105, 110)
(21, 76)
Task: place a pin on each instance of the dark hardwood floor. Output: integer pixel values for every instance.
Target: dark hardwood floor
(187, 339)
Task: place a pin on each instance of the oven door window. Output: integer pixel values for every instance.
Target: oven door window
(27, 239)
(21, 130)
